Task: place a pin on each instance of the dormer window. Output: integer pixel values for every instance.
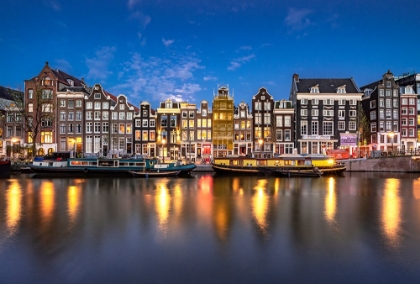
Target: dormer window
(409, 90)
(341, 89)
(97, 95)
(71, 82)
(168, 104)
(315, 89)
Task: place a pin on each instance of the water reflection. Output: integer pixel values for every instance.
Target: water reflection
(330, 201)
(162, 205)
(391, 212)
(14, 208)
(237, 223)
(260, 206)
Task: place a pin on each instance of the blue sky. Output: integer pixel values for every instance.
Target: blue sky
(151, 50)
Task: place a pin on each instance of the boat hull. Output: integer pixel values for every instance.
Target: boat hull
(154, 174)
(236, 170)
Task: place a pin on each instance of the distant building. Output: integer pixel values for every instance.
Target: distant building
(381, 103)
(326, 114)
(408, 118)
(223, 110)
(262, 112)
(284, 125)
(145, 130)
(204, 119)
(168, 130)
(242, 141)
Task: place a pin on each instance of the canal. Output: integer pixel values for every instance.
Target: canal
(358, 227)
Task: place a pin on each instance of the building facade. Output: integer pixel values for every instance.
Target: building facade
(145, 130)
(284, 126)
(326, 114)
(262, 130)
(222, 132)
(381, 103)
(243, 139)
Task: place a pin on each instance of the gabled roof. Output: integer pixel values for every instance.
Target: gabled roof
(327, 85)
(63, 76)
(6, 93)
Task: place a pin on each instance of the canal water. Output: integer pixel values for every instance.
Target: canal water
(359, 227)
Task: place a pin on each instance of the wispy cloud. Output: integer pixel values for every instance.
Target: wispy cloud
(63, 64)
(167, 42)
(209, 78)
(132, 3)
(53, 4)
(238, 62)
(142, 18)
(98, 65)
(297, 19)
(158, 79)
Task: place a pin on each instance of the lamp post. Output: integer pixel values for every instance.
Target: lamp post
(163, 149)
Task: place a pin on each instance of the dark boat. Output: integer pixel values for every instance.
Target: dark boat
(5, 166)
(292, 171)
(152, 174)
(236, 170)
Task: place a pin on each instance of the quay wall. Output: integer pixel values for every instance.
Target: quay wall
(407, 164)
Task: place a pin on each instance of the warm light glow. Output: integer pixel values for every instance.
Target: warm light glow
(260, 205)
(73, 203)
(391, 212)
(416, 189)
(162, 206)
(330, 201)
(205, 184)
(14, 208)
(47, 200)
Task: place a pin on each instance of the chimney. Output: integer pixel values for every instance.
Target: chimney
(296, 77)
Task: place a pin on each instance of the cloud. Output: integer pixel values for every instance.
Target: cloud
(132, 3)
(238, 62)
(53, 4)
(158, 79)
(98, 65)
(63, 64)
(167, 42)
(297, 19)
(209, 78)
(143, 19)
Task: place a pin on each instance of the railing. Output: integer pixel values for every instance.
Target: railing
(399, 153)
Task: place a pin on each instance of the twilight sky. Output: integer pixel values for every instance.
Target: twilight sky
(151, 50)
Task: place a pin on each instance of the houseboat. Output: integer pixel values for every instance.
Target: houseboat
(5, 166)
(62, 163)
(283, 165)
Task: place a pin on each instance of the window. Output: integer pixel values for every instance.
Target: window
(412, 101)
(395, 93)
(341, 114)
(62, 116)
(404, 110)
(388, 114)
(388, 93)
(352, 125)
(341, 102)
(388, 102)
(395, 113)
(71, 104)
(352, 113)
(303, 112)
(315, 102)
(47, 108)
(105, 127)
(173, 121)
(279, 120)
(388, 84)
(328, 128)
(46, 137)
(30, 107)
(287, 135)
(71, 115)
(411, 121)
(78, 103)
(71, 128)
(314, 112)
(257, 105)
(97, 127)
(62, 103)
(46, 94)
(184, 114)
(46, 122)
(287, 121)
(164, 121)
(145, 135)
(395, 102)
(381, 92)
(128, 128)
(121, 115)
(328, 102)
(327, 112)
(314, 127)
(381, 114)
(89, 115)
(97, 105)
(105, 115)
(353, 102)
(129, 116)
(373, 104)
(373, 127)
(410, 110)
(114, 115)
(97, 115)
(315, 89)
(62, 128)
(341, 125)
(121, 129)
(304, 127)
(267, 105)
(191, 114)
(152, 123)
(89, 127)
(97, 96)
(89, 105)
(145, 123)
(258, 118)
(105, 105)
(304, 101)
(30, 94)
(78, 115)
(137, 135)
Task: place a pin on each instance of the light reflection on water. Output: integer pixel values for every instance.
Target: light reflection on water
(210, 229)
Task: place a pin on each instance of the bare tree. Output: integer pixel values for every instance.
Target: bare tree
(36, 113)
(364, 126)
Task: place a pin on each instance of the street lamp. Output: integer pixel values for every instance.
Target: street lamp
(391, 134)
(163, 149)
